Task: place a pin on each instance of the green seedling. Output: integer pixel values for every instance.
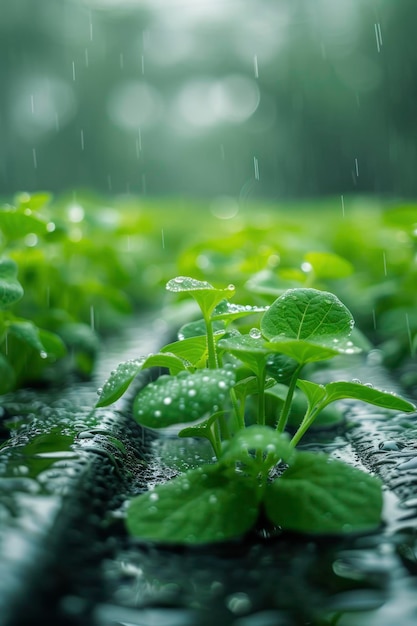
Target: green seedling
(23, 345)
(215, 373)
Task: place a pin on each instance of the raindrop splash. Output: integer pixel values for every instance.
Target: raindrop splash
(92, 317)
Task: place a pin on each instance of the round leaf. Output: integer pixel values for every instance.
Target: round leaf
(257, 439)
(307, 314)
(206, 296)
(318, 494)
(207, 504)
(182, 398)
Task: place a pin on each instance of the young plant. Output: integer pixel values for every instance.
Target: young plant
(214, 373)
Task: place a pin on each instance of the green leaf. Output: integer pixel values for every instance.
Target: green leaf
(17, 223)
(28, 333)
(317, 494)
(53, 345)
(7, 375)
(182, 398)
(193, 350)
(307, 314)
(205, 505)
(166, 360)
(249, 386)
(228, 311)
(249, 349)
(206, 296)
(366, 393)
(314, 393)
(327, 265)
(248, 442)
(280, 367)
(10, 289)
(203, 429)
(300, 350)
(118, 381)
(197, 329)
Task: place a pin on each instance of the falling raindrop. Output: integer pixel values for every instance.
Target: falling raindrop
(35, 159)
(384, 260)
(92, 316)
(255, 65)
(378, 36)
(256, 168)
(410, 339)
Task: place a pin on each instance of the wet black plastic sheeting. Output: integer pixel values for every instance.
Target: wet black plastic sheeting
(66, 559)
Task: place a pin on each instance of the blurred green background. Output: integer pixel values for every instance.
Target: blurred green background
(243, 98)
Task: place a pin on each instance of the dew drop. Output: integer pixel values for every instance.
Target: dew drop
(356, 381)
(154, 497)
(167, 400)
(192, 393)
(255, 333)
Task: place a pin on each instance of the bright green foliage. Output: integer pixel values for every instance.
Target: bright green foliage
(257, 447)
(182, 398)
(318, 495)
(206, 296)
(10, 289)
(207, 504)
(221, 388)
(328, 265)
(307, 314)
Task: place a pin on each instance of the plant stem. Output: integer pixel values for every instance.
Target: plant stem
(216, 440)
(224, 428)
(308, 419)
(283, 418)
(238, 413)
(211, 348)
(261, 397)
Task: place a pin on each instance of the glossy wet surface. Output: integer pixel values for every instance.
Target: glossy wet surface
(66, 471)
